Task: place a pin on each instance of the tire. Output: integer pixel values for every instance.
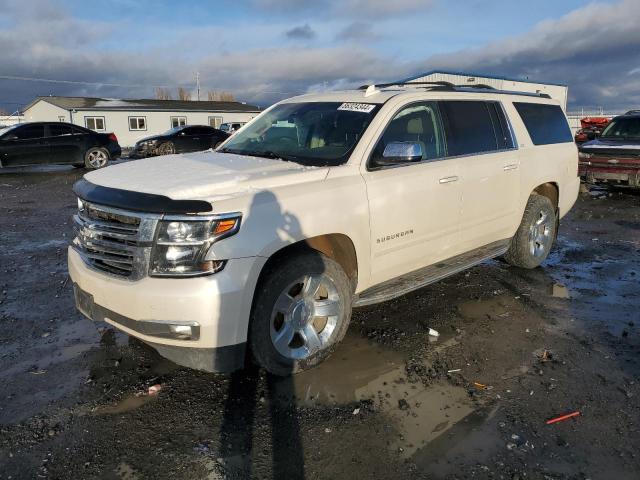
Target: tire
(534, 238)
(285, 313)
(217, 144)
(166, 148)
(96, 157)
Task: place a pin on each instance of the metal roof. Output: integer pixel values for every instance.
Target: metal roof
(481, 75)
(93, 103)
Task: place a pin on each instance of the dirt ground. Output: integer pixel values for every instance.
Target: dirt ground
(516, 348)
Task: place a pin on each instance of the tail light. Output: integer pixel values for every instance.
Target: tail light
(113, 138)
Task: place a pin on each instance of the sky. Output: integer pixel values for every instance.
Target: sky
(266, 50)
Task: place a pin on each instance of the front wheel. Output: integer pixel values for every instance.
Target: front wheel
(96, 158)
(531, 244)
(166, 148)
(301, 311)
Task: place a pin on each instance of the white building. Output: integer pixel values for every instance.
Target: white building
(8, 120)
(132, 120)
(554, 90)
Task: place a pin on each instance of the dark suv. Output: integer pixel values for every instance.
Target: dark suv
(187, 138)
(615, 155)
(56, 142)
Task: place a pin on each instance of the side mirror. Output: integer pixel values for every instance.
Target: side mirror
(401, 152)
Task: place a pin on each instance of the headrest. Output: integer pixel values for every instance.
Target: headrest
(414, 126)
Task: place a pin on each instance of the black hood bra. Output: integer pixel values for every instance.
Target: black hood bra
(137, 201)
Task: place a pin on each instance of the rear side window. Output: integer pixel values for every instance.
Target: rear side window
(546, 124)
(500, 126)
(58, 130)
(468, 127)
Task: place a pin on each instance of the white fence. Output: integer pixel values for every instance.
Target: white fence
(7, 120)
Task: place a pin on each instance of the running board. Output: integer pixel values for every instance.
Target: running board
(399, 286)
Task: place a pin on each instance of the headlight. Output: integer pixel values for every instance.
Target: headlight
(584, 155)
(181, 246)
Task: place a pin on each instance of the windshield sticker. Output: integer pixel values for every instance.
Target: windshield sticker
(357, 107)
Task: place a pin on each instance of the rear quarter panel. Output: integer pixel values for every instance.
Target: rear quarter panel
(539, 164)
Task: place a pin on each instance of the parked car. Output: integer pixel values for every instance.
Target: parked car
(615, 155)
(56, 142)
(322, 203)
(232, 128)
(182, 139)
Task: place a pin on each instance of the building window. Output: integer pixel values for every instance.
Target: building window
(137, 123)
(62, 118)
(95, 123)
(178, 122)
(215, 122)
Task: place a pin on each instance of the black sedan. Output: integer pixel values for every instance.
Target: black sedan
(56, 143)
(187, 138)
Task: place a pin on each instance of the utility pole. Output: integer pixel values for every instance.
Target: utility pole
(198, 85)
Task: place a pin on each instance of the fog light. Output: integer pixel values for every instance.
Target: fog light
(182, 332)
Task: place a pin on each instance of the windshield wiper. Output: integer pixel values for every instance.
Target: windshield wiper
(263, 154)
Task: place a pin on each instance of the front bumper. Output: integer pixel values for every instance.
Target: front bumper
(218, 305)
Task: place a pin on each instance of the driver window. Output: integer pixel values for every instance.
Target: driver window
(416, 123)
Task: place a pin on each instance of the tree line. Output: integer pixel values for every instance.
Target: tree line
(185, 95)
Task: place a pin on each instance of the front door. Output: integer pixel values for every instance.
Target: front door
(414, 208)
(24, 145)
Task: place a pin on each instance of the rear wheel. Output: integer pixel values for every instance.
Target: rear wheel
(166, 148)
(96, 158)
(301, 311)
(532, 243)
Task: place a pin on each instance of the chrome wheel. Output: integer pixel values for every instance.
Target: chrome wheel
(167, 149)
(305, 317)
(97, 158)
(540, 234)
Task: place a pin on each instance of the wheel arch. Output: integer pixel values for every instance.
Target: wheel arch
(549, 190)
(337, 246)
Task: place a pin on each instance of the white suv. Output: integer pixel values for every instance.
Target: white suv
(322, 203)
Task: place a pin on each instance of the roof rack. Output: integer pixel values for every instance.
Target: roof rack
(448, 86)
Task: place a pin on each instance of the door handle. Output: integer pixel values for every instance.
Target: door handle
(512, 166)
(448, 179)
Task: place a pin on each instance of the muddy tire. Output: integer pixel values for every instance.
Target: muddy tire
(534, 238)
(166, 148)
(96, 157)
(301, 310)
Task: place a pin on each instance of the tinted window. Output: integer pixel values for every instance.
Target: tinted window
(546, 124)
(417, 123)
(468, 127)
(58, 130)
(29, 132)
(500, 126)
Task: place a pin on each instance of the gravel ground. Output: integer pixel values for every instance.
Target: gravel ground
(516, 348)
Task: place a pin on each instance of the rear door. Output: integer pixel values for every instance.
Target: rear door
(188, 140)
(66, 143)
(479, 135)
(25, 145)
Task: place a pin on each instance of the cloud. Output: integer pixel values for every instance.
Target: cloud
(591, 49)
(358, 32)
(301, 32)
(594, 49)
(345, 8)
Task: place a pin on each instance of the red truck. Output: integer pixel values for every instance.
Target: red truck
(614, 156)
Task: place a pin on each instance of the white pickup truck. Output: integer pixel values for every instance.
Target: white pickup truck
(260, 249)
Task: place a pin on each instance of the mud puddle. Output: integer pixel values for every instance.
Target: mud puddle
(364, 371)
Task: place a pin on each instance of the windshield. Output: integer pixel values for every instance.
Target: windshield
(314, 133)
(622, 128)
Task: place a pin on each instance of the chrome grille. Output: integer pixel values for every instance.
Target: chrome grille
(114, 241)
